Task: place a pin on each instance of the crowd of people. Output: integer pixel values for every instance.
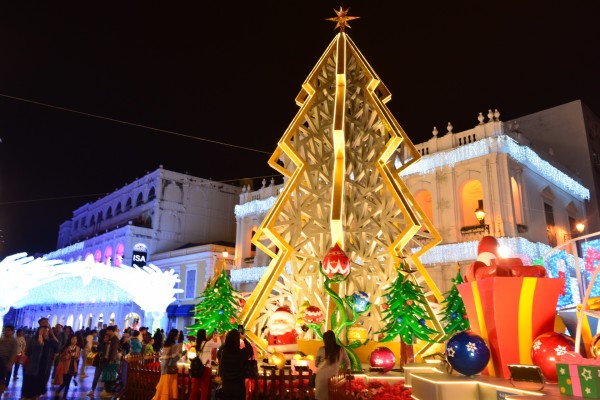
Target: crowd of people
(58, 355)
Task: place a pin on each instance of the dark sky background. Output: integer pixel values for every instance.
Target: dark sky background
(230, 70)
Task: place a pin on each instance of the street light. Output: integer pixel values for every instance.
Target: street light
(579, 227)
(480, 215)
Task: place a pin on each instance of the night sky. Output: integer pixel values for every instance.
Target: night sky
(229, 71)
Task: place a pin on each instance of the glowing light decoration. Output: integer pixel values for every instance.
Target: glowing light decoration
(21, 277)
(499, 144)
(467, 251)
(254, 207)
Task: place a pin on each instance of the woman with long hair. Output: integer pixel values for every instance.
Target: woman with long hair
(67, 364)
(171, 352)
(40, 352)
(328, 360)
(231, 365)
(201, 385)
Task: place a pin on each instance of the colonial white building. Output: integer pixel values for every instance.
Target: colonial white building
(531, 202)
(161, 212)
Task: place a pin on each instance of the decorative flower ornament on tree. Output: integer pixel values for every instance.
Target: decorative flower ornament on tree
(360, 301)
(336, 262)
(313, 315)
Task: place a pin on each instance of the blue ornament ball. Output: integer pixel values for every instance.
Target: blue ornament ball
(361, 301)
(422, 321)
(453, 315)
(467, 353)
(399, 320)
(221, 312)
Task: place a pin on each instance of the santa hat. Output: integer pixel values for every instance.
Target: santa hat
(487, 250)
(285, 314)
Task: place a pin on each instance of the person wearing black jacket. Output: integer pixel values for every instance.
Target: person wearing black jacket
(233, 355)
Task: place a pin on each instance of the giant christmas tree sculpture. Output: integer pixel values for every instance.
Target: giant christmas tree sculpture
(341, 156)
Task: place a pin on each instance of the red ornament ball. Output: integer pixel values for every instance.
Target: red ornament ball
(313, 314)
(409, 302)
(232, 320)
(546, 351)
(384, 358)
(385, 306)
(242, 303)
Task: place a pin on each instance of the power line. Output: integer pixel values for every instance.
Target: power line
(133, 124)
(7, 203)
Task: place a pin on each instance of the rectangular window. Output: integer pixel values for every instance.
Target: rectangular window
(190, 284)
(549, 212)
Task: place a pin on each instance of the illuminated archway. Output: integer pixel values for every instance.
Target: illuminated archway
(26, 280)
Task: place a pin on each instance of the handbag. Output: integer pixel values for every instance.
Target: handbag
(251, 368)
(196, 368)
(171, 363)
(91, 359)
(22, 359)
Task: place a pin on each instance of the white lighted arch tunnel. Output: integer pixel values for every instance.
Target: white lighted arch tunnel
(25, 280)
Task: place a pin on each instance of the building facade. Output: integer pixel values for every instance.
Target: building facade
(160, 212)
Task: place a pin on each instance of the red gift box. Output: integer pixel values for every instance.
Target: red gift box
(509, 313)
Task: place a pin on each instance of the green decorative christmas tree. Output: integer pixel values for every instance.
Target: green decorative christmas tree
(455, 315)
(405, 314)
(218, 307)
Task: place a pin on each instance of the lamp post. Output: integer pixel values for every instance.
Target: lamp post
(480, 215)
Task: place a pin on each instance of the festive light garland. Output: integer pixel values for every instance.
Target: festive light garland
(251, 274)
(255, 207)
(499, 144)
(467, 251)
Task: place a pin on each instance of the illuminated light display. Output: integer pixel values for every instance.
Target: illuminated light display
(499, 144)
(465, 251)
(28, 281)
(255, 207)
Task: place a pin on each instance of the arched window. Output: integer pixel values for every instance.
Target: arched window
(151, 194)
(128, 204)
(140, 200)
(118, 209)
(471, 200)
(109, 213)
(100, 217)
(424, 200)
(252, 245)
(517, 203)
(92, 220)
(98, 256)
(108, 255)
(119, 254)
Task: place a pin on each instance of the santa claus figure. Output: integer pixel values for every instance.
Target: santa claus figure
(281, 335)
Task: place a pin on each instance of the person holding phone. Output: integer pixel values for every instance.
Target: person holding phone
(231, 359)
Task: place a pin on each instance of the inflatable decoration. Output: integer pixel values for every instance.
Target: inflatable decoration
(467, 353)
(384, 358)
(361, 302)
(336, 262)
(508, 305)
(313, 314)
(547, 350)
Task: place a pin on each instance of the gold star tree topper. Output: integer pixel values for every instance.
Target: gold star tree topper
(342, 19)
